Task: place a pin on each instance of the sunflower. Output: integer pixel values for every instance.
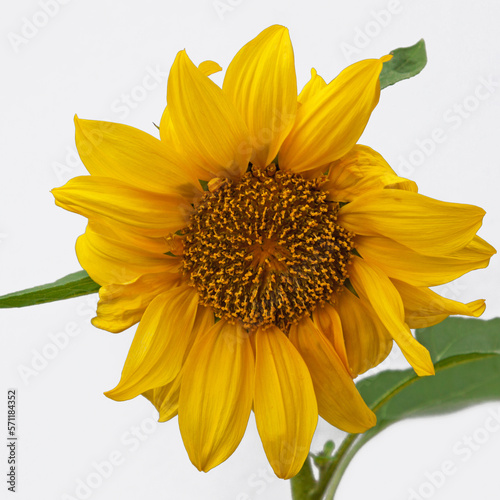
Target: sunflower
(267, 257)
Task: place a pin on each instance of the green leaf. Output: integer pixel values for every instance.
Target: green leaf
(466, 356)
(405, 63)
(464, 352)
(72, 285)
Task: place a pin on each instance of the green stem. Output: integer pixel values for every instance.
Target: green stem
(325, 478)
(330, 480)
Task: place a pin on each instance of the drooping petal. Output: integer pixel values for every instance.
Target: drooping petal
(132, 156)
(339, 402)
(109, 260)
(328, 322)
(428, 226)
(212, 132)
(122, 305)
(375, 287)
(424, 308)
(261, 83)
(147, 213)
(161, 343)
(366, 339)
(400, 262)
(329, 124)
(312, 87)
(361, 170)
(285, 405)
(216, 394)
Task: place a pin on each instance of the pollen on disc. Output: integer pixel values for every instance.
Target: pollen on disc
(266, 249)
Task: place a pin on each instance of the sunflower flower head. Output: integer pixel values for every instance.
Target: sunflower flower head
(268, 258)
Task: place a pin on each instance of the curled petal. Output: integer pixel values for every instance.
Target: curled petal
(122, 305)
(424, 308)
(166, 398)
(401, 262)
(361, 170)
(312, 87)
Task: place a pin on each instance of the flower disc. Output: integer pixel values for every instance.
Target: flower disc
(266, 250)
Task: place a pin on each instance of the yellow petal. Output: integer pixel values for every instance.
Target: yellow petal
(424, 308)
(132, 156)
(110, 260)
(216, 394)
(171, 140)
(285, 405)
(400, 262)
(329, 124)
(261, 83)
(327, 321)
(339, 402)
(428, 226)
(122, 305)
(366, 339)
(122, 233)
(375, 287)
(312, 87)
(166, 398)
(361, 170)
(161, 343)
(147, 213)
(167, 132)
(212, 133)
(209, 67)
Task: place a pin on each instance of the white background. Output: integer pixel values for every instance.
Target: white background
(84, 57)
